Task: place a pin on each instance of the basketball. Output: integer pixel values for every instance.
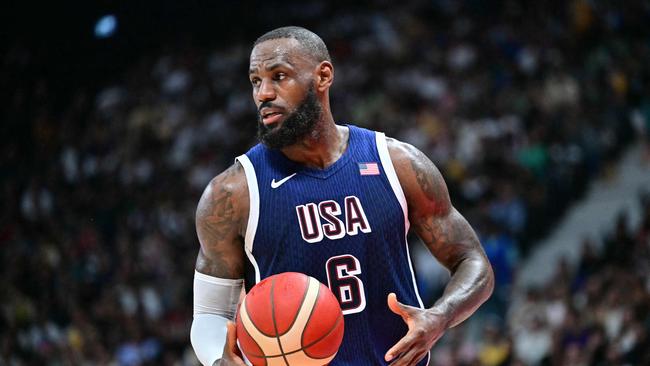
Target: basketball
(290, 319)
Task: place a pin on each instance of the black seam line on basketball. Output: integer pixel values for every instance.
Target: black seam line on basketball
(302, 302)
(257, 344)
(275, 324)
(259, 329)
(338, 320)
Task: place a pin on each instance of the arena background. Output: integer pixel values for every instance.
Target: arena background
(116, 114)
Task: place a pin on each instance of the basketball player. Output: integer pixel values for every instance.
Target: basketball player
(334, 202)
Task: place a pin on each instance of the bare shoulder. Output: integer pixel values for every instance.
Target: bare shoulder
(221, 219)
(227, 193)
(423, 185)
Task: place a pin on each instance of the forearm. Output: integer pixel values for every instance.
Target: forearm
(454, 243)
(470, 285)
(215, 302)
(208, 337)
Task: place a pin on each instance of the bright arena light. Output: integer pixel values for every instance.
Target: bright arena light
(105, 26)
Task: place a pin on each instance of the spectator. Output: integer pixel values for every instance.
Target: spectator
(101, 173)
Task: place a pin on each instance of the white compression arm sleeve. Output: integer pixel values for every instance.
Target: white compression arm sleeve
(215, 302)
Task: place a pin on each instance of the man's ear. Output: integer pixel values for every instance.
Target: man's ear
(324, 76)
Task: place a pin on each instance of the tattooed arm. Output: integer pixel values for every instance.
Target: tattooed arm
(221, 219)
(452, 241)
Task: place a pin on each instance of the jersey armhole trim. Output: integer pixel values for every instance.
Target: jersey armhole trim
(254, 210)
(387, 163)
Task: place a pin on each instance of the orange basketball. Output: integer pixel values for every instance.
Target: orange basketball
(290, 319)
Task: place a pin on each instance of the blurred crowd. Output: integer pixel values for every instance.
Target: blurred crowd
(596, 313)
(520, 104)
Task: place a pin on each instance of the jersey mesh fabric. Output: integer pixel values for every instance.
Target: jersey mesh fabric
(382, 255)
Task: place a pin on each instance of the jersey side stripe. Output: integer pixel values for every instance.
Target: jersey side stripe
(387, 163)
(254, 211)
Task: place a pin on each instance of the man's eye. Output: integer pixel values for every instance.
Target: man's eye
(280, 76)
(255, 81)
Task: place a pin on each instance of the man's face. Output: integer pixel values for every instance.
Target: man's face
(284, 92)
(296, 125)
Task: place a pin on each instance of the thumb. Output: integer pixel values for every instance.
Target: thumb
(397, 307)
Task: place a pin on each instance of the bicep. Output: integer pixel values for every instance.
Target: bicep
(446, 233)
(449, 237)
(218, 227)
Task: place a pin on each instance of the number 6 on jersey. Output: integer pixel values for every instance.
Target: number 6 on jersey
(347, 287)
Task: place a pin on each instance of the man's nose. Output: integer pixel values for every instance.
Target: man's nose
(266, 92)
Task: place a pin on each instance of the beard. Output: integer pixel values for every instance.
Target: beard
(297, 125)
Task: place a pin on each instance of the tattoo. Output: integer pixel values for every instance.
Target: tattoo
(443, 229)
(218, 265)
(218, 217)
(429, 179)
(423, 175)
(450, 239)
(446, 233)
(218, 224)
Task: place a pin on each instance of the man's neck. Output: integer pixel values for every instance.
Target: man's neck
(322, 147)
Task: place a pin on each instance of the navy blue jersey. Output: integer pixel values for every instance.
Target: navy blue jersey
(344, 225)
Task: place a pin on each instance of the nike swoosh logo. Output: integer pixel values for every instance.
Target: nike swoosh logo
(275, 184)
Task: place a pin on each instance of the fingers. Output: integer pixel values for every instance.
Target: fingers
(403, 311)
(399, 347)
(407, 352)
(232, 352)
(418, 340)
(411, 358)
(231, 336)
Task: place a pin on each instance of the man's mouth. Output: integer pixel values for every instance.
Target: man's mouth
(271, 118)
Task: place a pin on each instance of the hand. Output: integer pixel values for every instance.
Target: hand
(231, 353)
(425, 328)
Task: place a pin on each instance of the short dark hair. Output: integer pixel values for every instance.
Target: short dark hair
(309, 40)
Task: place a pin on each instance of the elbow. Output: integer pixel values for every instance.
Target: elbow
(483, 276)
(482, 283)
